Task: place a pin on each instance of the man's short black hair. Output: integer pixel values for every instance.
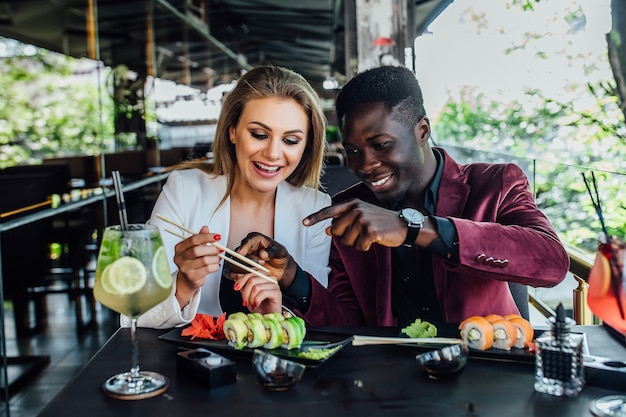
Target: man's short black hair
(396, 87)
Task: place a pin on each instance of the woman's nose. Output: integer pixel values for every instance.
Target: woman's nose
(272, 149)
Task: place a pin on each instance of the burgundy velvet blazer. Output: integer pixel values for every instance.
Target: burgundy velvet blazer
(502, 236)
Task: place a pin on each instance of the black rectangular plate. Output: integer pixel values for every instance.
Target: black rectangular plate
(313, 339)
(452, 330)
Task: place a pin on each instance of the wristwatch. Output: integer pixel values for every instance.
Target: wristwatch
(415, 220)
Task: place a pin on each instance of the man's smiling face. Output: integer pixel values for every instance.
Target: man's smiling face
(382, 151)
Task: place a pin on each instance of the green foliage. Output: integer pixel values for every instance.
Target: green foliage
(554, 139)
(555, 144)
(45, 109)
(525, 4)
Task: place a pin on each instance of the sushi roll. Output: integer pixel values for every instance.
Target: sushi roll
(236, 333)
(292, 334)
(493, 317)
(525, 332)
(504, 334)
(255, 316)
(256, 332)
(300, 322)
(240, 315)
(274, 333)
(274, 316)
(477, 332)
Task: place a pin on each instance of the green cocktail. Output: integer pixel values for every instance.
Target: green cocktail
(132, 276)
(133, 273)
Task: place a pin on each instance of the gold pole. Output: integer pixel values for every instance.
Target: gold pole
(582, 313)
(91, 32)
(150, 40)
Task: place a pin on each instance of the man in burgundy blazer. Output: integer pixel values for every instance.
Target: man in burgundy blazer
(501, 236)
(420, 236)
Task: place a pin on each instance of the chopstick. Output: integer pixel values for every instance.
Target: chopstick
(376, 340)
(222, 256)
(27, 208)
(217, 245)
(246, 268)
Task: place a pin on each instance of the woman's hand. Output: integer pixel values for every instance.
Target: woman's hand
(259, 295)
(195, 259)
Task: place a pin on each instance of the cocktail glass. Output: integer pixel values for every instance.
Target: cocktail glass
(132, 276)
(607, 300)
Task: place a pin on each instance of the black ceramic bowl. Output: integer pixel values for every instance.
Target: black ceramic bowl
(445, 362)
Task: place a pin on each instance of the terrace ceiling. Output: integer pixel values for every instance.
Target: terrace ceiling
(220, 37)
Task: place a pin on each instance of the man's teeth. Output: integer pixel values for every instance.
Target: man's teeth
(266, 168)
(380, 181)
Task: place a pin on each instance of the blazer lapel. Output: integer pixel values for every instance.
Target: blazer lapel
(453, 190)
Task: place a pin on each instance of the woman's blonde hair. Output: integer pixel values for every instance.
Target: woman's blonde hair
(269, 82)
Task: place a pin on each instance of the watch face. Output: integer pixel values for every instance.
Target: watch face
(412, 215)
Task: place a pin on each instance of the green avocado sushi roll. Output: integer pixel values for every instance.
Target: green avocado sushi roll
(256, 333)
(274, 316)
(236, 333)
(292, 334)
(240, 315)
(274, 333)
(300, 322)
(255, 315)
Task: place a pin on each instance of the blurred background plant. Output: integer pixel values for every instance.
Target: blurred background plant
(560, 114)
(48, 105)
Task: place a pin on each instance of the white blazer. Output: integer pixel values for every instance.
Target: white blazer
(190, 197)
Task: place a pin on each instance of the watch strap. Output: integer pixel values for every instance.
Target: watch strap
(411, 235)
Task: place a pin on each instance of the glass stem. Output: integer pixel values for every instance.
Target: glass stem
(134, 371)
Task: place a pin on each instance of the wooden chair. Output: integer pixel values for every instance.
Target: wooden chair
(26, 267)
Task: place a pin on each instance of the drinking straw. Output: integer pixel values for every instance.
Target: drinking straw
(596, 203)
(616, 281)
(119, 196)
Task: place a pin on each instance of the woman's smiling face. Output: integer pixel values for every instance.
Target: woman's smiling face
(270, 140)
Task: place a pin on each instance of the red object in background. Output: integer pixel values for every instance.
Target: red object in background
(383, 41)
(606, 297)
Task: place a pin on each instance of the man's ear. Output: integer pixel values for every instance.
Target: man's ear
(422, 131)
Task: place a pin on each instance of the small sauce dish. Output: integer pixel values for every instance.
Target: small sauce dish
(275, 373)
(445, 362)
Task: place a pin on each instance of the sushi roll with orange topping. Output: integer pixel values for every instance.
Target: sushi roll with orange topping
(477, 332)
(525, 332)
(493, 317)
(504, 334)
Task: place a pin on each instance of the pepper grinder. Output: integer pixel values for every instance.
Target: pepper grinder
(559, 367)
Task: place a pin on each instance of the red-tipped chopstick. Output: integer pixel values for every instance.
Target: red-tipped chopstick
(225, 249)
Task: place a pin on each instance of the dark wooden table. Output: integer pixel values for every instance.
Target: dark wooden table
(358, 381)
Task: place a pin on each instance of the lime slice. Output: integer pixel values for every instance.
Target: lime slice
(124, 276)
(161, 268)
(105, 281)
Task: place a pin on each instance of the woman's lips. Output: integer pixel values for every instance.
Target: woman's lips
(267, 170)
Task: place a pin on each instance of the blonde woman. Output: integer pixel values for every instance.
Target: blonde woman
(268, 158)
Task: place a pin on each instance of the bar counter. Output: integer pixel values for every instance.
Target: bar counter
(357, 381)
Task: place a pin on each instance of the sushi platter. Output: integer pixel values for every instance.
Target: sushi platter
(314, 340)
(514, 355)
